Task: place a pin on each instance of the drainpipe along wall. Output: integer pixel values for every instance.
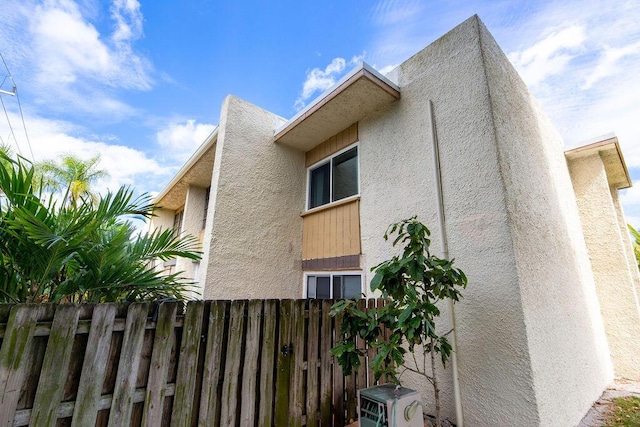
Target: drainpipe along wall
(445, 254)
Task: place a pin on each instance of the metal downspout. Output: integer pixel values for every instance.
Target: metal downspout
(457, 397)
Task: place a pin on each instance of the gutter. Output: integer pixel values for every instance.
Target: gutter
(457, 396)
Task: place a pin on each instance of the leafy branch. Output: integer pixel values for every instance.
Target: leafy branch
(413, 284)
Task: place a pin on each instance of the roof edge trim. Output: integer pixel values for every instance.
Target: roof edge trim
(357, 72)
(208, 143)
(604, 143)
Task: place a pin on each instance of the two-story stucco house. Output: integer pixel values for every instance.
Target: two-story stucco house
(297, 209)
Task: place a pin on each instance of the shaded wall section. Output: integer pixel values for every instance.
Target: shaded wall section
(253, 240)
(565, 337)
(398, 181)
(608, 244)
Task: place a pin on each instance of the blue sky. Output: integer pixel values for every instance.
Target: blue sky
(141, 82)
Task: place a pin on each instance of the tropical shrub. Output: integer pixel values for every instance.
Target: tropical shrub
(81, 251)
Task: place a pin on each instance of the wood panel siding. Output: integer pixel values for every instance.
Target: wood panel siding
(332, 232)
(332, 145)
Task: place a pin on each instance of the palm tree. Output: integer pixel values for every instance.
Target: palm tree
(81, 252)
(73, 175)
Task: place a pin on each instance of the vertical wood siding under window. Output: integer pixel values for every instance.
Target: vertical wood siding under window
(332, 232)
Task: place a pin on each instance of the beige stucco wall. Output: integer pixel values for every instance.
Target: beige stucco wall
(528, 326)
(566, 339)
(615, 277)
(162, 220)
(192, 225)
(253, 239)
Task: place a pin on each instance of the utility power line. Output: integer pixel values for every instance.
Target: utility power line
(14, 92)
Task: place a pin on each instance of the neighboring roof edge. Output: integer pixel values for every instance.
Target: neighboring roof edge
(605, 143)
(331, 93)
(208, 143)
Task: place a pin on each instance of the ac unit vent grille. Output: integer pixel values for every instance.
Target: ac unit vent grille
(378, 406)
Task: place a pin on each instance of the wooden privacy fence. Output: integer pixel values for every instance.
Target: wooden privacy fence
(229, 363)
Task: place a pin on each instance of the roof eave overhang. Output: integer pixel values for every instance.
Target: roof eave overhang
(608, 148)
(358, 94)
(184, 170)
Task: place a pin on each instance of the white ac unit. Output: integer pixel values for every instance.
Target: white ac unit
(378, 406)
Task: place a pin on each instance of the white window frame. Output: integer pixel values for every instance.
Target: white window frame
(327, 160)
(330, 274)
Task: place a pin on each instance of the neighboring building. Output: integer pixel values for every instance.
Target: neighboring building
(298, 208)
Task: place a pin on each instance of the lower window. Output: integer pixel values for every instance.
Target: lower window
(334, 286)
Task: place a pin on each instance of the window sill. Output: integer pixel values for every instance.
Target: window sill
(340, 202)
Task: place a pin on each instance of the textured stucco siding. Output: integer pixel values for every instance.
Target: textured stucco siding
(162, 220)
(192, 225)
(615, 278)
(566, 341)
(397, 176)
(253, 240)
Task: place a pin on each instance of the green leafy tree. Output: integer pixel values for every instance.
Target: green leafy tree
(80, 252)
(413, 283)
(72, 175)
(636, 242)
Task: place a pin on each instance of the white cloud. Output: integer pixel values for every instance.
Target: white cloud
(128, 18)
(609, 63)
(389, 12)
(50, 139)
(180, 140)
(550, 56)
(319, 80)
(65, 63)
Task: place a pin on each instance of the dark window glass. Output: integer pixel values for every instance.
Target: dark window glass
(345, 174)
(323, 290)
(337, 287)
(319, 186)
(322, 287)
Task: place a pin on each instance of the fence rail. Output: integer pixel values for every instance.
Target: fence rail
(229, 363)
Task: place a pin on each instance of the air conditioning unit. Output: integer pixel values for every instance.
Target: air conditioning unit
(377, 407)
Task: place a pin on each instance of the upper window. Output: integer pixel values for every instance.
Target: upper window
(335, 179)
(177, 221)
(334, 286)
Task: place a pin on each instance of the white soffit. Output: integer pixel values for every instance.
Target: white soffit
(608, 148)
(361, 92)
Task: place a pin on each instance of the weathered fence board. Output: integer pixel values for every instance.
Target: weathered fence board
(128, 365)
(213, 366)
(296, 395)
(184, 397)
(55, 366)
(228, 415)
(284, 356)
(338, 380)
(267, 363)
(16, 345)
(325, 365)
(213, 363)
(93, 368)
(159, 367)
(250, 369)
(312, 363)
